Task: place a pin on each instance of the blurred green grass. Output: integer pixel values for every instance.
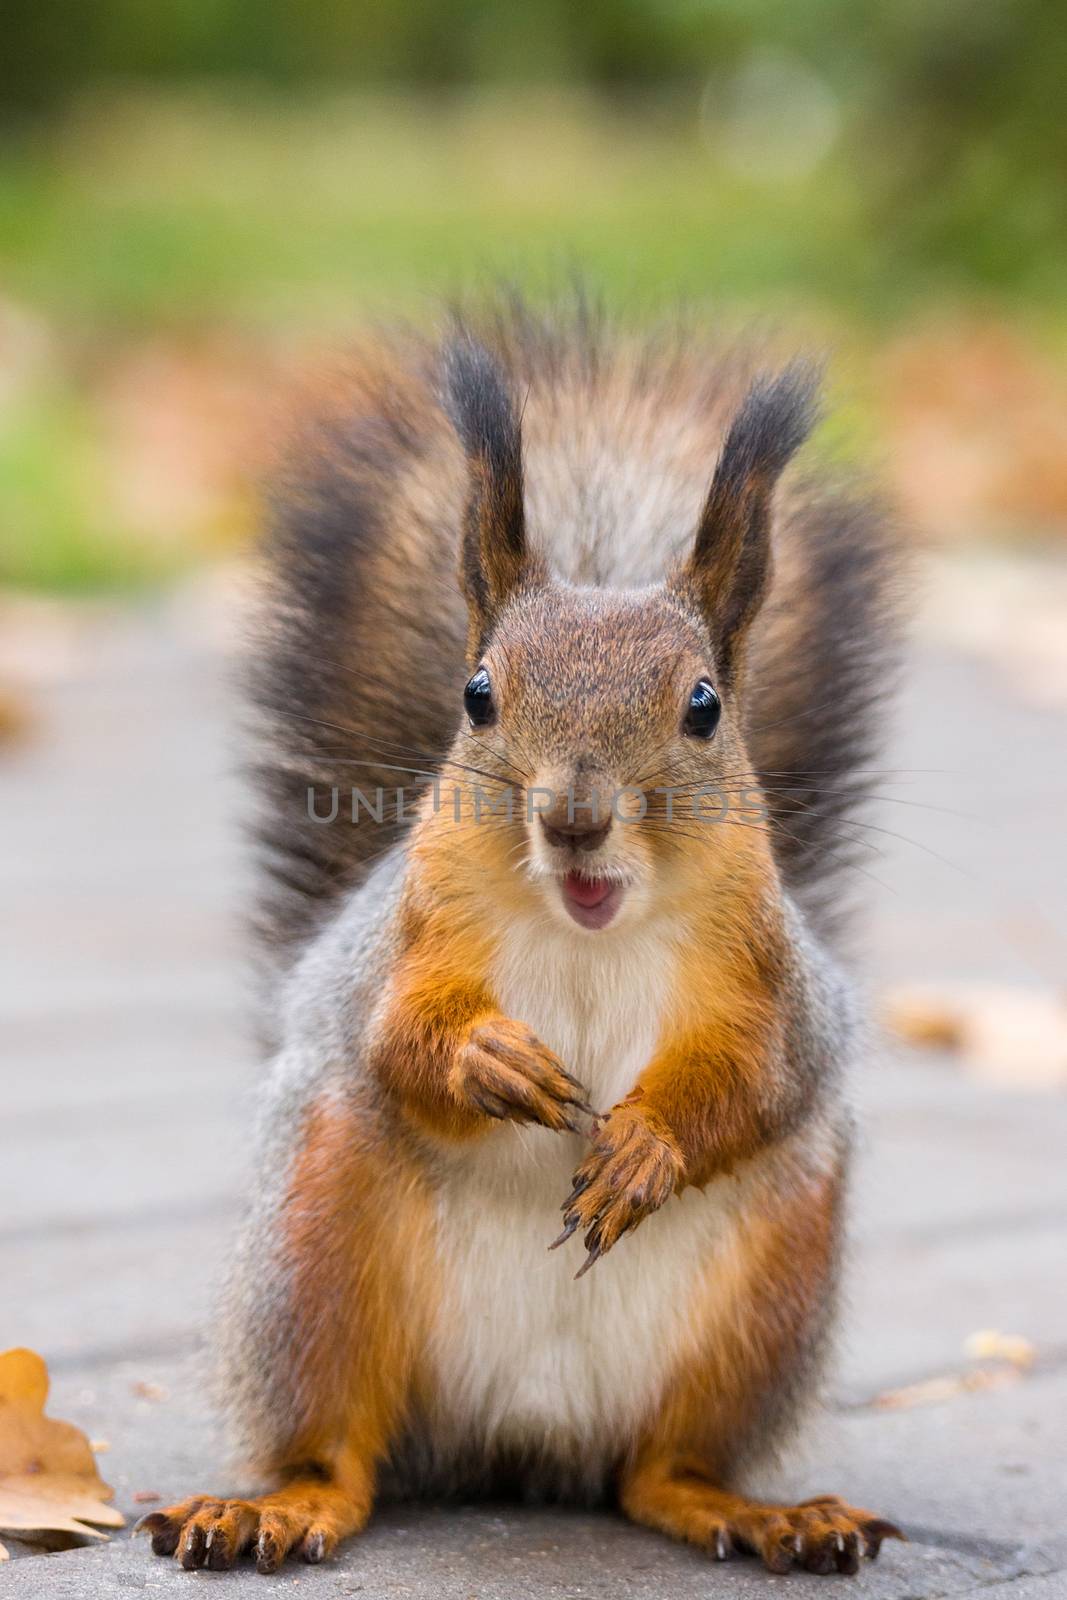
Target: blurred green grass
(186, 207)
(170, 219)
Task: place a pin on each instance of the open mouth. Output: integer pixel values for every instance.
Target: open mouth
(592, 902)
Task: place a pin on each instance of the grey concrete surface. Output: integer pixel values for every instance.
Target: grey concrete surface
(127, 1074)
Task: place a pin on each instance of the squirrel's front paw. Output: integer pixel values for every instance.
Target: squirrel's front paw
(504, 1071)
(629, 1173)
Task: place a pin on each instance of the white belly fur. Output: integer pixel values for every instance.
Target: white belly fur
(524, 1355)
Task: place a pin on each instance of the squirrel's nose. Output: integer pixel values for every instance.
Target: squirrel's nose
(579, 833)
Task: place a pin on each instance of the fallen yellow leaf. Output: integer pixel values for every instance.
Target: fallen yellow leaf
(1014, 1355)
(932, 1391)
(48, 1477)
(989, 1344)
(1015, 1036)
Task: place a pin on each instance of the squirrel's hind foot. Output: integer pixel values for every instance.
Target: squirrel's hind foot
(823, 1535)
(305, 1519)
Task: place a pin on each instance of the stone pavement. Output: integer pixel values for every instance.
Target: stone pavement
(127, 1073)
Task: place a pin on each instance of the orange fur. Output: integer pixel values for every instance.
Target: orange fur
(427, 1017)
(709, 1098)
(306, 1516)
(822, 1535)
(442, 1047)
(361, 1286)
(356, 1237)
(753, 1316)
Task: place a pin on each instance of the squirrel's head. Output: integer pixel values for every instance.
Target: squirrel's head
(602, 726)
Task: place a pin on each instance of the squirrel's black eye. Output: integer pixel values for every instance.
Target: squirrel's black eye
(478, 700)
(703, 711)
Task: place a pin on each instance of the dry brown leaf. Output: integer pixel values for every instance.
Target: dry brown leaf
(48, 1477)
(1006, 1035)
(145, 1389)
(932, 1391)
(15, 717)
(923, 1019)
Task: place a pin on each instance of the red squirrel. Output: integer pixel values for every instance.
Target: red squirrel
(582, 989)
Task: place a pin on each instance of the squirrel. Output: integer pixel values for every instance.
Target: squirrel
(589, 981)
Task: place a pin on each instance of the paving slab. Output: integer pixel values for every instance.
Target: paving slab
(161, 1441)
(489, 1554)
(128, 1077)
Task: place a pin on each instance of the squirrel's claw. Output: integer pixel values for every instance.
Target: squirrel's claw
(630, 1172)
(505, 1072)
(581, 1184)
(578, 1097)
(568, 1232)
(591, 1259)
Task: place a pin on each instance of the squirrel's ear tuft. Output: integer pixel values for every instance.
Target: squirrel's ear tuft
(729, 569)
(478, 399)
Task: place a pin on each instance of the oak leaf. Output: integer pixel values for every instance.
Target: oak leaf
(48, 1477)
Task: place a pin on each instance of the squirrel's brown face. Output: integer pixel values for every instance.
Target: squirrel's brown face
(600, 713)
(612, 718)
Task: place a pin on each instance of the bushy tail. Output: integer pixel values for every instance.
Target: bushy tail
(823, 668)
(356, 663)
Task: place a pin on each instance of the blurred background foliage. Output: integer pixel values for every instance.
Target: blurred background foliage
(200, 195)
